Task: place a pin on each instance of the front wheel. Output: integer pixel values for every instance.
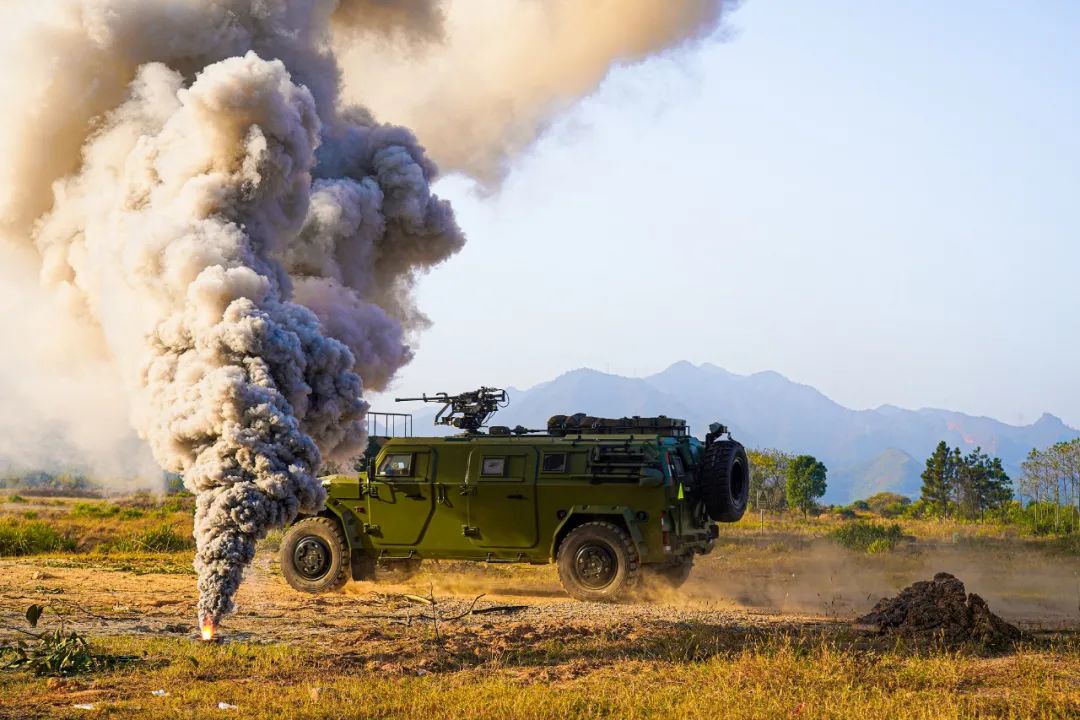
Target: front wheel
(597, 561)
(315, 556)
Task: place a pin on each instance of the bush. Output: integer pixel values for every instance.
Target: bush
(868, 537)
(56, 654)
(160, 538)
(19, 499)
(94, 510)
(31, 537)
(178, 503)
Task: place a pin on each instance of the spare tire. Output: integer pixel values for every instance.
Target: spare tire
(724, 480)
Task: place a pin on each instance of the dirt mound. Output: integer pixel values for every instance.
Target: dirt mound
(940, 610)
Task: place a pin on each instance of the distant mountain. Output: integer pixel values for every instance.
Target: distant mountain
(866, 451)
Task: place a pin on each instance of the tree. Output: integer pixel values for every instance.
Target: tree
(937, 487)
(998, 490)
(805, 482)
(887, 504)
(768, 475)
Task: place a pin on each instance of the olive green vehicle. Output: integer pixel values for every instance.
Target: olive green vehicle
(604, 499)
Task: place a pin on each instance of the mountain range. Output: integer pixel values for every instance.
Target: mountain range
(866, 451)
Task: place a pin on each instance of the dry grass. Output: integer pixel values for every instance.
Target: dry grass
(141, 523)
(766, 680)
(690, 671)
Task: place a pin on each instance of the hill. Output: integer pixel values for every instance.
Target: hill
(867, 451)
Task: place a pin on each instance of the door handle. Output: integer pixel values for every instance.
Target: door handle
(515, 496)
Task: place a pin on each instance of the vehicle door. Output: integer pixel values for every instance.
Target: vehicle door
(501, 487)
(400, 498)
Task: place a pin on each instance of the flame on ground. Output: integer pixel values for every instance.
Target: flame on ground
(209, 629)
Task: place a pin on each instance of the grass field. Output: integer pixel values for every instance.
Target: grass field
(769, 679)
(762, 630)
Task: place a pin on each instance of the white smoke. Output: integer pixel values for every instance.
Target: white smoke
(496, 72)
(226, 246)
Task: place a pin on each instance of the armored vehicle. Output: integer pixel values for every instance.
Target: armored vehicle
(605, 499)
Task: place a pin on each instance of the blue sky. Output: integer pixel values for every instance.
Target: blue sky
(877, 199)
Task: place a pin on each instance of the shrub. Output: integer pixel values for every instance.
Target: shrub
(56, 653)
(881, 545)
(31, 537)
(17, 499)
(178, 503)
(160, 538)
(94, 510)
(868, 537)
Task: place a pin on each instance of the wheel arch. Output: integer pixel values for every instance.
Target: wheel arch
(620, 516)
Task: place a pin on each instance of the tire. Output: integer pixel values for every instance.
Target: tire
(725, 481)
(597, 562)
(671, 575)
(315, 557)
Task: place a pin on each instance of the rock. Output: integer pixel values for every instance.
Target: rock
(940, 610)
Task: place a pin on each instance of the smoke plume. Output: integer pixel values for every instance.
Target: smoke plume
(505, 68)
(226, 245)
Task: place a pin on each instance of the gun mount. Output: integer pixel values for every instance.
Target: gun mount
(468, 411)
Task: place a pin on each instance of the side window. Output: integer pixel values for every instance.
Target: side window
(396, 465)
(493, 467)
(554, 462)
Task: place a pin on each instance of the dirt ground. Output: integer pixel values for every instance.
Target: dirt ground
(755, 588)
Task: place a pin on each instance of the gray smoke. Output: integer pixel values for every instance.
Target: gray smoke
(246, 246)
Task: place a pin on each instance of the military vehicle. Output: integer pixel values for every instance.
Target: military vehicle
(606, 499)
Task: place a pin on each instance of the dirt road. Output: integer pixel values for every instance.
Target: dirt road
(805, 590)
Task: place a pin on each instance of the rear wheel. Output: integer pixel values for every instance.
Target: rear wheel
(597, 561)
(315, 556)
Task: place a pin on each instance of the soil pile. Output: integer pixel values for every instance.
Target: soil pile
(940, 610)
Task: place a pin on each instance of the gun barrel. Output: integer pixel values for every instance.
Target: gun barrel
(439, 397)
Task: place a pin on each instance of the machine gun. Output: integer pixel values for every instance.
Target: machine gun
(468, 411)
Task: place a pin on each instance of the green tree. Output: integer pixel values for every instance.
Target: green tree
(768, 475)
(805, 482)
(887, 504)
(997, 491)
(938, 477)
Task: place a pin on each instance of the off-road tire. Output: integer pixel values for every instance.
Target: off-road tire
(725, 481)
(319, 535)
(601, 544)
(672, 574)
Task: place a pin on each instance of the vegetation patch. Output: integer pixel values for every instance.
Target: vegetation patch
(105, 510)
(868, 537)
(55, 653)
(19, 536)
(158, 538)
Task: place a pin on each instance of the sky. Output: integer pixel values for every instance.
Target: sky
(876, 199)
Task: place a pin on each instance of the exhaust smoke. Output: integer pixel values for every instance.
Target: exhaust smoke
(233, 241)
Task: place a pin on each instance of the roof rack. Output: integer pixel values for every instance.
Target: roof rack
(582, 424)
